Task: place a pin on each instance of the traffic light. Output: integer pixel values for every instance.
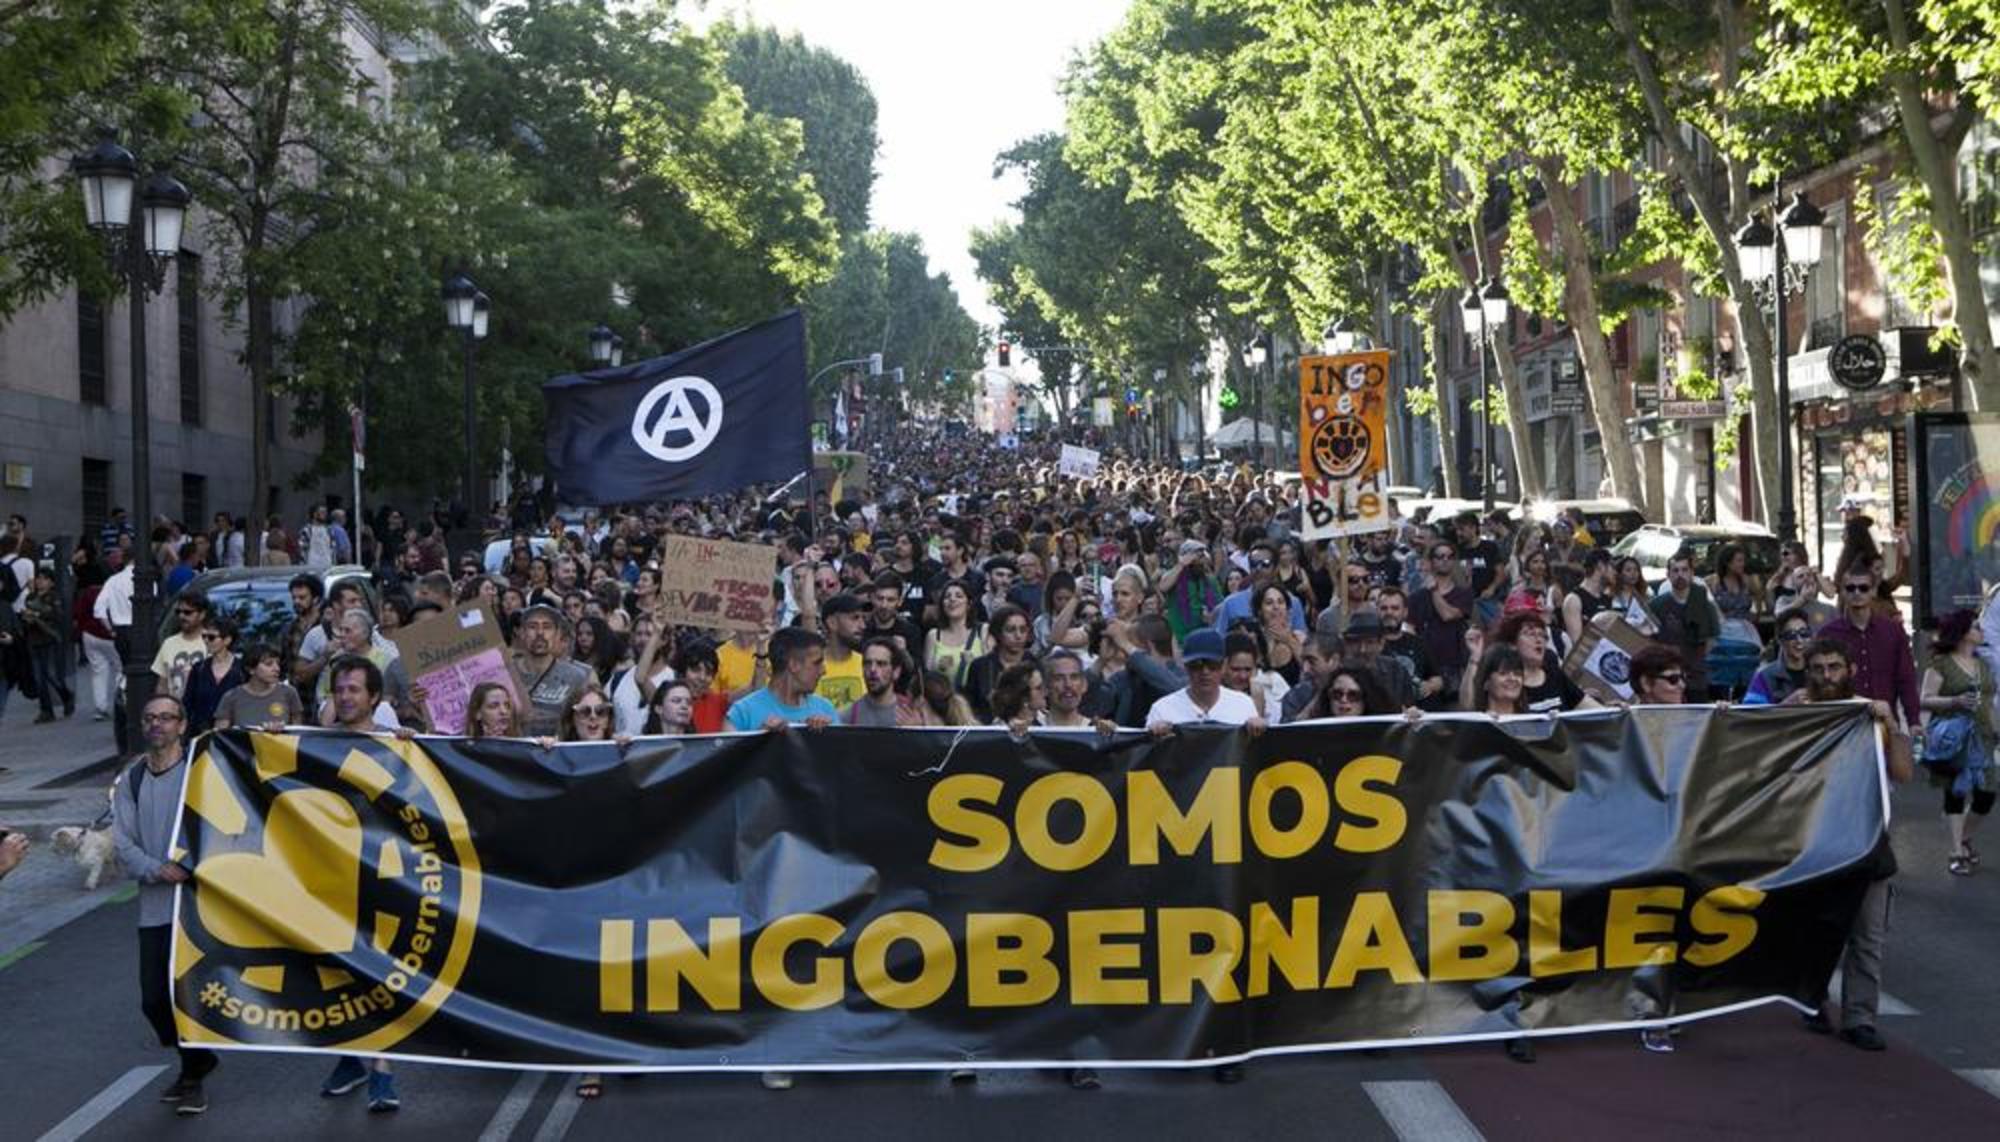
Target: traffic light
(1005, 351)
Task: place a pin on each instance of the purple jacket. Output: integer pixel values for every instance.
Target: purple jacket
(1883, 666)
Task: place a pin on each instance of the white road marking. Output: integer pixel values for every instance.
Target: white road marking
(103, 1105)
(514, 1107)
(560, 1116)
(1987, 1080)
(1420, 1111)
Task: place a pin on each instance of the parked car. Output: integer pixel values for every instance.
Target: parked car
(259, 599)
(1655, 545)
(1609, 520)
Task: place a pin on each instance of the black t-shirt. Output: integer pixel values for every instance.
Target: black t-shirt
(917, 589)
(1556, 691)
(1408, 650)
(1383, 570)
(912, 635)
(1484, 561)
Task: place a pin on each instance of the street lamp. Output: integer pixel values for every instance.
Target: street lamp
(1337, 338)
(468, 310)
(1262, 350)
(139, 238)
(1776, 263)
(1488, 305)
(600, 344)
(617, 350)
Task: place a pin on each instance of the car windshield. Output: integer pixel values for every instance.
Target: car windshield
(261, 608)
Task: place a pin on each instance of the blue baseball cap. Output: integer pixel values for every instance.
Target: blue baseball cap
(1204, 645)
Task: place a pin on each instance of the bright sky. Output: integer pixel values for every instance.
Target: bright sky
(956, 82)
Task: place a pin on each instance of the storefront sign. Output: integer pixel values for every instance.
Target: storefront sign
(1857, 362)
(1694, 409)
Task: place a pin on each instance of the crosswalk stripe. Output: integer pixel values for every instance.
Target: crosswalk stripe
(103, 1104)
(560, 1116)
(1419, 1110)
(514, 1107)
(1987, 1079)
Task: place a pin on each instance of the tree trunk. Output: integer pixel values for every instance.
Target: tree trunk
(1939, 171)
(258, 353)
(1715, 217)
(1527, 469)
(1586, 325)
(1441, 387)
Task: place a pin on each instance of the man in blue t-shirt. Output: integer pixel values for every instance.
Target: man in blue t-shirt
(798, 658)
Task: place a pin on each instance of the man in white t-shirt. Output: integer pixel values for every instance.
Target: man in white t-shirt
(1203, 699)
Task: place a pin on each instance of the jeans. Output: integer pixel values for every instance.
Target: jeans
(102, 655)
(47, 659)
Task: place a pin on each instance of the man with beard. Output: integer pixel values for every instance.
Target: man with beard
(1378, 559)
(884, 665)
(1068, 684)
(1689, 623)
(1402, 646)
(886, 618)
(841, 618)
(541, 674)
(145, 808)
(1361, 649)
(1830, 678)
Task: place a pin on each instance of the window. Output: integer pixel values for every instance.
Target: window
(90, 350)
(194, 499)
(188, 298)
(96, 494)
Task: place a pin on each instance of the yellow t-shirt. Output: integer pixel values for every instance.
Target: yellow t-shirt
(736, 666)
(842, 683)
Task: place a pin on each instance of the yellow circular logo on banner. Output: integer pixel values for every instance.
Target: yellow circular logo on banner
(335, 896)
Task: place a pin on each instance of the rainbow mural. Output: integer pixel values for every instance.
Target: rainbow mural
(1971, 501)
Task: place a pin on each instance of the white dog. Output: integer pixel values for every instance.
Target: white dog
(93, 849)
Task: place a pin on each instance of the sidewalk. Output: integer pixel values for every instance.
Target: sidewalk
(55, 774)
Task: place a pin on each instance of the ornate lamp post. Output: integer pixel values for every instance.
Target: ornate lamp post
(1776, 263)
(469, 310)
(141, 233)
(1486, 307)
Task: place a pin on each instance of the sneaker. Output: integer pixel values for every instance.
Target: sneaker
(193, 1099)
(348, 1076)
(776, 1080)
(382, 1093)
(1817, 1023)
(1083, 1078)
(964, 1075)
(177, 1090)
(1865, 1037)
(1656, 1039)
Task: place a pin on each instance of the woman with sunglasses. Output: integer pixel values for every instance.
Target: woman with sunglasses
(586, 717)
(215, 675)
(1785, 673)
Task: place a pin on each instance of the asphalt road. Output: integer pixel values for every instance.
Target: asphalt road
(76, 1060)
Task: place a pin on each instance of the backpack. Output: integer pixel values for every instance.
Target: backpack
(10, 583)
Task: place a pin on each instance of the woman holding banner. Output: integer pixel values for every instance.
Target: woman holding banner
(490, 712)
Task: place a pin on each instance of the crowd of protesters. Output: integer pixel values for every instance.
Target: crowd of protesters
(972, 585)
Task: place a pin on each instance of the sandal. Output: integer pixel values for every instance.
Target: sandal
(1959, 866)
(590, 1088)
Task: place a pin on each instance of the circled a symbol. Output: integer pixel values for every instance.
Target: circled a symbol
(1340, 447)
(679, 431)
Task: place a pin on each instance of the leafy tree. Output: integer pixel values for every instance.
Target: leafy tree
(787, 78)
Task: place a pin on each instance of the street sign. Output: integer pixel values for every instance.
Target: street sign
(1694, 409)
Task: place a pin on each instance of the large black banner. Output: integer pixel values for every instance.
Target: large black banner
(913, 898)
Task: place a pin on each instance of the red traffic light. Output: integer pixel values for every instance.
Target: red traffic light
(1005, 350)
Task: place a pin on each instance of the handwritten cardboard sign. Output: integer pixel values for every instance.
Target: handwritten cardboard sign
(451, 654)
(1343, 443)
(715, 583)
(1078, 461)
(1601, 661)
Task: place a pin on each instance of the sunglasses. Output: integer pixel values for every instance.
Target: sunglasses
(593, 711)
(186, 611)
(1857, 588)
(159, 719)
(1260, 564)
(1673, 678)
(1800, 635)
